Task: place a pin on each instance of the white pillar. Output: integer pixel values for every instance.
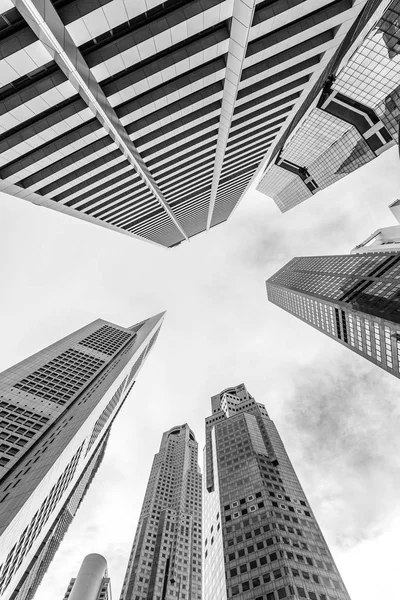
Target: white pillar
(90, 578)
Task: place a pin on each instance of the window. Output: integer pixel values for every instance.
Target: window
(256, 582)
(246, 586)
(301, 592)
(235, 515)
(282, 593)
(253, 564)
(243, 568)
(235, 590)
(62, 377)
(273, 557)
(277, 574)
(233, 572)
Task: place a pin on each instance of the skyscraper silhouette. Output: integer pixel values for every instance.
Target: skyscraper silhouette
(165, 561)
(261, 539)
(56, 410)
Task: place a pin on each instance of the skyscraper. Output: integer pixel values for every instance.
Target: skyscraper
(32, 578)
(261, 539)
(152, 119)
(353, 299)
(92, 581)
(165, 561)
(56, 410)
(354, 118)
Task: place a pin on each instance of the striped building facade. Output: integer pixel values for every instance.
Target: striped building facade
(152, 117)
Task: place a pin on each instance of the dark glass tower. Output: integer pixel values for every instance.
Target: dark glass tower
(165, 561)
(353, 299)
(261, 539)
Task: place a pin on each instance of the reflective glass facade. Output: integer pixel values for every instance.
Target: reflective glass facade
(34, 574)
(56, 410)
(333, 140)
(165, 561)
(354, 299)
(260, 538)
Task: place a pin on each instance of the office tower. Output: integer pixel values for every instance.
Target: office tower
(261, 539)
(56, 410)
(165, 561)
(354, 118)
(353, 299)
(33, 576)
(153, 118)
(385, 239)
(92, 581)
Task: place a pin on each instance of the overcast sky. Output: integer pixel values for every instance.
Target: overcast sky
(338, 415)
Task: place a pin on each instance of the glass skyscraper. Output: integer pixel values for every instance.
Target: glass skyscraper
(261, 539)
(35, 572)
(354, 118)
(165, 561)
(56, 410)
(353, 299)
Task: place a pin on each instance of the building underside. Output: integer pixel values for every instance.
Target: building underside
(153, 118)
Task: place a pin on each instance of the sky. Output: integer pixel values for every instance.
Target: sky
(338, 415)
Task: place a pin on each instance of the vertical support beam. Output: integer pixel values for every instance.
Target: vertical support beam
(242, 18)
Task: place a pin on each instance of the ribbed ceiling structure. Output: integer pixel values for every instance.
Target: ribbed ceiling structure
(152, 118)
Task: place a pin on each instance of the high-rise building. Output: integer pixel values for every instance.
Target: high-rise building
(354, 118)
(261, 539)
(353, 299)
(153, 118)
(165, 561)
(34, 574)
(92, 581)
(56, 410)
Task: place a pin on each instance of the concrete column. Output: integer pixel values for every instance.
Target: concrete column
(90, 577)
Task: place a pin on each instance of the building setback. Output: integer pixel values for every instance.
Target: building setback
(261, 539)
(165, 561)
(353, 299)
(152, 119)
(92, 581)
(354, 118)
(56, 410)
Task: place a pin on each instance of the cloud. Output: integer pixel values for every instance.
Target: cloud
(344, 417)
